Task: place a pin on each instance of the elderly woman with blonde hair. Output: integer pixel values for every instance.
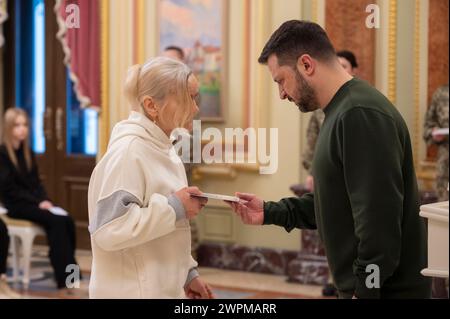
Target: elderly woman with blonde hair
(139, 201)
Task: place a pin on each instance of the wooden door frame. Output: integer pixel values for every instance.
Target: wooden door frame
(71, 185)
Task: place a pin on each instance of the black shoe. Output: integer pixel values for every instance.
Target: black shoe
(329, 290)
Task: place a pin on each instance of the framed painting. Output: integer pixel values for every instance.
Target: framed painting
(199, 28)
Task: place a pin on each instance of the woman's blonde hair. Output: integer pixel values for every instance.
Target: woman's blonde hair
(160, 78)
(10, 118)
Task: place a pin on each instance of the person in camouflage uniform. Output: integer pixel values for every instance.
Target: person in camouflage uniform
(195, 240)
(436, 118)
(312, 133)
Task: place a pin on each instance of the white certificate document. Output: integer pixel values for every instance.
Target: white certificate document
(440, 131)
(58, 211)
(218, 197)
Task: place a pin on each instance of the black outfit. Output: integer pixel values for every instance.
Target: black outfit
(21, 191)
(4, 245)
(365, 203)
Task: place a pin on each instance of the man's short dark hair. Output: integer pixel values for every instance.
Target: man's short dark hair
(295, 38)
(175, 48)
(349, 56)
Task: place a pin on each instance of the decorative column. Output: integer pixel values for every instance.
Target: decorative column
(310, 266)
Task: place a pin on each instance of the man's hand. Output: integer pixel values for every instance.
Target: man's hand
(192, 205)
(197, 289)
(45, 205)
(250, 209)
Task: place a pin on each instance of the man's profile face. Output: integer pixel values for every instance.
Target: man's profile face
(292, 85)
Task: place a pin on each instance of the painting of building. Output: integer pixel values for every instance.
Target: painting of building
(197, 27)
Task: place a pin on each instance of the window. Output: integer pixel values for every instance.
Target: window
(30, 66)
(81, 125)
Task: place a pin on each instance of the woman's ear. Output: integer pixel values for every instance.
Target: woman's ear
(150, 108)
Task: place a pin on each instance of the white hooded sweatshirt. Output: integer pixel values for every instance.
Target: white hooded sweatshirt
(141, 240)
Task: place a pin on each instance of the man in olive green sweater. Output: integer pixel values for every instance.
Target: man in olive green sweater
(365, 203)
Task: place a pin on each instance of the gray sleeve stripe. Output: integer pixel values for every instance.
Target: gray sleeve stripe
(177, 206)
(112, 207)
(193, 273)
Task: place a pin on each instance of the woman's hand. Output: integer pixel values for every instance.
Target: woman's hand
(192, 205)
(45, 205)
(197, 289)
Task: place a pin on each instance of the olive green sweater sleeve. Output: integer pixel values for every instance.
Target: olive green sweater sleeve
(291, 213)
(372, 167)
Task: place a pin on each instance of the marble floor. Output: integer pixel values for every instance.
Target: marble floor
(226, 284)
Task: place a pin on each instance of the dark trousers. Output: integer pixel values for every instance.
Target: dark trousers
(4, 245)
(61, 238)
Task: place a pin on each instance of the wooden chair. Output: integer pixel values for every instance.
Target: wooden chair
(22, 234)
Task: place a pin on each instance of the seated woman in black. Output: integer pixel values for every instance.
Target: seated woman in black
(24, 196)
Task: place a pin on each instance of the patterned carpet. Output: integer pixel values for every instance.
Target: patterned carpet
(42, 285)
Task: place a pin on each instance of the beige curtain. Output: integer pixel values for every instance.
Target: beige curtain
(117, 56)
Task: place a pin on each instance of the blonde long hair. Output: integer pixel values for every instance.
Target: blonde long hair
(10, 118)
(160, 78)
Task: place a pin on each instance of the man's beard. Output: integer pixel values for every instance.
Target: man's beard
(308, 100)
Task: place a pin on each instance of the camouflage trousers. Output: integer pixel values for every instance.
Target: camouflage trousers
(442, 173)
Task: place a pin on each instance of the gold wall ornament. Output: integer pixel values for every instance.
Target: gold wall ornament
(225, 171)
(417, 117)
(104, 121)
(392, 52)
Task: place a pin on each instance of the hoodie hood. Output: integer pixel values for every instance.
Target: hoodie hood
(140, 126)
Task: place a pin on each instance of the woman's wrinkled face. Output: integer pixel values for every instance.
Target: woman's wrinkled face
(20, 129)
(167, 124)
